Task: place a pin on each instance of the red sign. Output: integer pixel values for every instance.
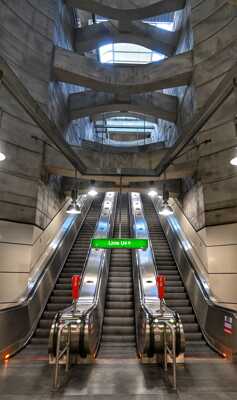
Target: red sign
(76, 280)
(160, 282)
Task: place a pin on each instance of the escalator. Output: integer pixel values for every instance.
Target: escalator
(118, 335)
(60, 297)
(176, 295)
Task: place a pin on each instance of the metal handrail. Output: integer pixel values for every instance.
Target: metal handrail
(60, 353)
(170, 351)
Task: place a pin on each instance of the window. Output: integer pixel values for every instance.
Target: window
(126, 53)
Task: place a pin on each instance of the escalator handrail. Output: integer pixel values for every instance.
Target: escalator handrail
(211, 316)
(29, 293)
(142, 297)
(208, 296)
(93, 306)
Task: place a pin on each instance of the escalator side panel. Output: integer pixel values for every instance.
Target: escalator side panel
(176, 295)
(60, 297)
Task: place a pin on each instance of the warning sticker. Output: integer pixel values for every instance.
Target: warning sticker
(228, 325)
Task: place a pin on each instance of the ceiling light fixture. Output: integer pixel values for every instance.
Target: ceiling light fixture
(74, 207)
(152, 193)
(92, 192)
(166, 209)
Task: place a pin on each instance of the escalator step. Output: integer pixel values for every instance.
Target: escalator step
(119, 312)
(121, 320)
(118, 339)
(118, 330)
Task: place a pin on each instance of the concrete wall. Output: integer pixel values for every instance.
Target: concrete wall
(29, 199)
(215, 46)
(24, 249)
(185, 94)
(210, 199)
(214, 251)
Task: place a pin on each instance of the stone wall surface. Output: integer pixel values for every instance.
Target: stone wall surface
(215, 52)
(29, 199)
(210, 204)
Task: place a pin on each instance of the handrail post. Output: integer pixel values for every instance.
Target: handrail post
(59, 354)
(171, 352)
(165, 348)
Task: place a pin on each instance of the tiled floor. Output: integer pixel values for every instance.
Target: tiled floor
(32, 380)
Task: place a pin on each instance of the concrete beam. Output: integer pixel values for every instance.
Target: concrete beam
(215, 100)
(105, 166)
(157, 105)
(113, 114)
(129, 136)
(79, 70)
(151, 37)
(127, 9)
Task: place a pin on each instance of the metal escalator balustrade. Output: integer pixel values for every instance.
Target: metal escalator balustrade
(118, 335)
(176, 295)
(61, 295)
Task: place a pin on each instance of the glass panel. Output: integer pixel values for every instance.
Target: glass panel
(126, 53)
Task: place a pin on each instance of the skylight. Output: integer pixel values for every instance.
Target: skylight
(126, 53)
(124, 124)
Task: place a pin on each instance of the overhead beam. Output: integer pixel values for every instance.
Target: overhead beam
(125, 9)
(157, 105)
(57, 165)
(80, 70)
(114, 114)
(216, 99)
(151, 37)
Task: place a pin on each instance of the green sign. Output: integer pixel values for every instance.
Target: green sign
(119, 243)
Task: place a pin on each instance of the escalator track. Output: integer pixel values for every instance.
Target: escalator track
(176, 294)
(60, 298)
(118, 335)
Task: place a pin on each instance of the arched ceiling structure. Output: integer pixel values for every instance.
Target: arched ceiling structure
(156, 104)
(127, 9)
(135, 90)
(80, 70)
(143, 34)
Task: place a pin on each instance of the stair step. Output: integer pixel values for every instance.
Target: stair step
(119, 321)
(118, 339)
(118, 330)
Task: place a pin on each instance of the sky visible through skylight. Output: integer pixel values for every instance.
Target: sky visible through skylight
(128, 53)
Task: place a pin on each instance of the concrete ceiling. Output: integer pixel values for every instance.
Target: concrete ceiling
(127, 9)
(80, 70)
(156, 104)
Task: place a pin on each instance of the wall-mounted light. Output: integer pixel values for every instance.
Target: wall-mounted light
(233, 161)
(2, 156)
